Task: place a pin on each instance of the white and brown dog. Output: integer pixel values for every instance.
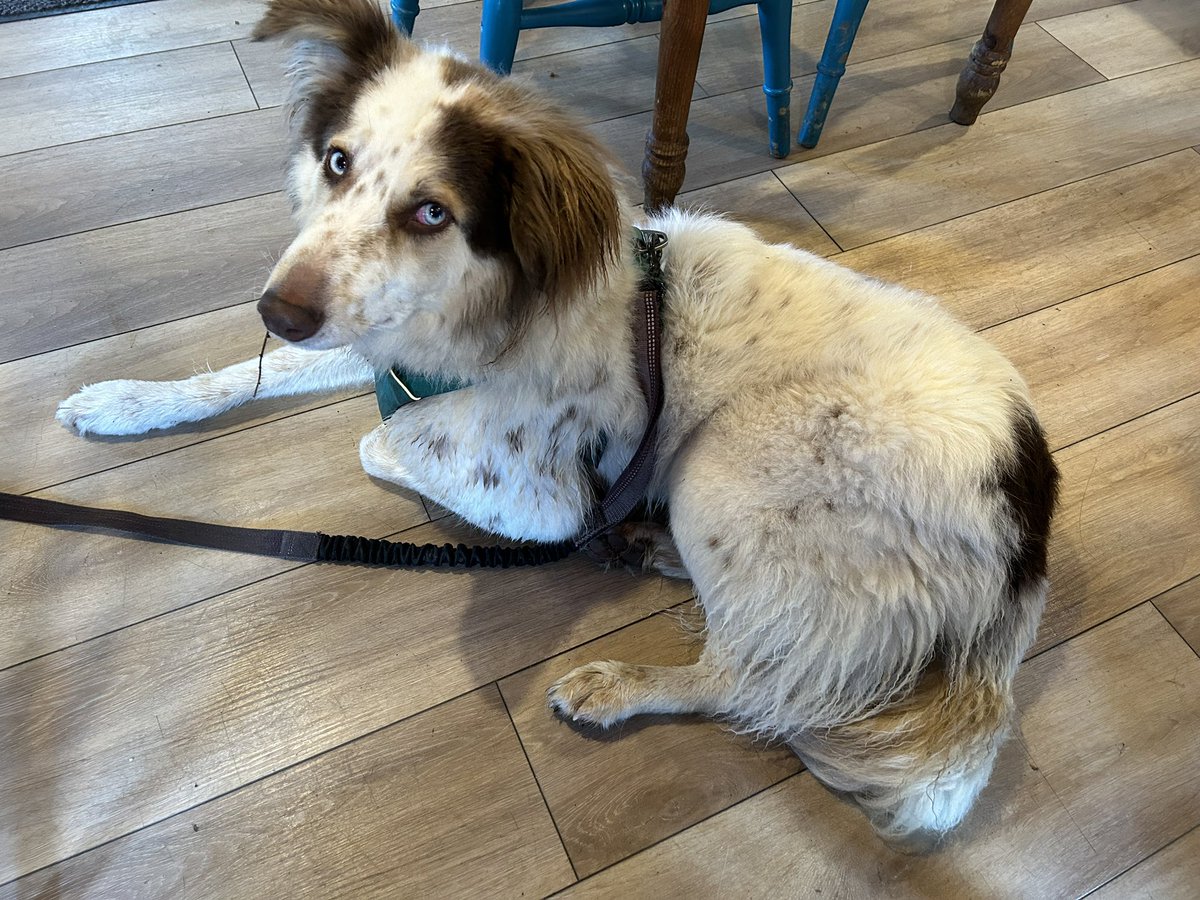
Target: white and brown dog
(857, 484)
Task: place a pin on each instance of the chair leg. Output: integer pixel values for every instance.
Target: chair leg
(405, 13)
(498, 29)
(775, 23)
(667, 142)
(989, 57)
(846, 18)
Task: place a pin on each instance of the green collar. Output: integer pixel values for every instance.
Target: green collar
(396, 387)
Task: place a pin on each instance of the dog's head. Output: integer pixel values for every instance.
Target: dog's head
(436, 200)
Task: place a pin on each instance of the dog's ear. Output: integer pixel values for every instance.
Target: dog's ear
(337, 47)
(564, 215)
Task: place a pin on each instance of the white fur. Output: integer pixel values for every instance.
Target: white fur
(822, 450)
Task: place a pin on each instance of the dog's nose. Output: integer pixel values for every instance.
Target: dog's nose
(288, 320)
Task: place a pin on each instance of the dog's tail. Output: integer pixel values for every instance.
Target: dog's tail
(917, 766)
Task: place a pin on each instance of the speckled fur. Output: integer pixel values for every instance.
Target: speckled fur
(828, 449)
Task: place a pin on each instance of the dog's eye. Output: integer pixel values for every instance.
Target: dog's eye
(431, 216)
(337, 162)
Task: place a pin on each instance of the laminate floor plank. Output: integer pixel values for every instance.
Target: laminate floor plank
(887, 188)
(1131, 37)
(612, 793)
(301, 472)
(56, 42)
(110, 735)
(120, 95)
(1128, 517)
(1004, 262)
(100, 283)
(1173, 871)
(1100, 776)
(1181, 607)
(763, 203)
(380, 817)
(140, 175)
(887, 30)
(1110, 356)
(876, 100)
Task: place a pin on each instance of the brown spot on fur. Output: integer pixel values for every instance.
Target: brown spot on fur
(714, 542)
(829, 505)
(363, 44)
(753, 339)
(439, 445)
(516, 438)
(457, 71)
(537, 194)
(487, 476)
(567, 415)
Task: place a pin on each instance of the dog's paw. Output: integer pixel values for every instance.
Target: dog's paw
(598, 693)
(117, 408)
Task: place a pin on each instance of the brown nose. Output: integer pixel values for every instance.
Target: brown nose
(289, 321)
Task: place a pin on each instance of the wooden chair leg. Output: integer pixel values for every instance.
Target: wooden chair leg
(847, 16)
(499, 26)
(667, 141)
(405, 13)
(989, 57)
(775, 24)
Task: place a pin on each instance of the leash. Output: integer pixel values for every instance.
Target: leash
(312, 546)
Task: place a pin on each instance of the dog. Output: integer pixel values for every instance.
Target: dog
(856, 484)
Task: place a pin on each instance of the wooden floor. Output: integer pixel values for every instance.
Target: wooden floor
(179, 723)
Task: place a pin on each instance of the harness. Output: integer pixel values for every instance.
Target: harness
(394, 389)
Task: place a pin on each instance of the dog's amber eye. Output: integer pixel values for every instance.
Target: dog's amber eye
(337, 162)
(431, 216)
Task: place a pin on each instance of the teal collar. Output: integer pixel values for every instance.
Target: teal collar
(396, 387)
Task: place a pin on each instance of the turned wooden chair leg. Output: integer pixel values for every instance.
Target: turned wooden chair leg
(667, 141)
(989, 57)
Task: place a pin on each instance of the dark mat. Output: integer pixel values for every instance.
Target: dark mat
(12, 10)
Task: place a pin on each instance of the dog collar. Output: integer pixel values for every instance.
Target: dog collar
(396, 388)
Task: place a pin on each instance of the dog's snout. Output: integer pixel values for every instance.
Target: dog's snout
(287, 320)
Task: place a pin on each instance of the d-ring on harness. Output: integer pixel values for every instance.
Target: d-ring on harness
(310, 546)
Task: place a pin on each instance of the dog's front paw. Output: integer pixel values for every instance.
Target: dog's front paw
(599, 693)
(116, 408)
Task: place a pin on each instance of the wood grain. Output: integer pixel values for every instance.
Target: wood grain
(301, 472)
(764, 204)
(876, 100)
(1181, 607)
(1128, 349)
(1131, 37)
(102, 34)
(874, 192)
(1127, 520)
(137, 176)
(1039, 829)
(1013, 259)
(1173, 871)
(120, 95)
(729, 64)
(397, 813)
(115, 733)
(105, 282)
(612, 793)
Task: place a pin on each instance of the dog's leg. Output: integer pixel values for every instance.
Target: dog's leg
(640, 547)
(135, 407)
(605, 693)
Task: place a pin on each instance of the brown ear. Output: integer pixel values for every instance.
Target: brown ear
(338, 46)
(564, 216)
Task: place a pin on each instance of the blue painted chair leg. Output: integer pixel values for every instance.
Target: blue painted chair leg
(498, 29)
(775, 23)
(405, 13)
(846, 18)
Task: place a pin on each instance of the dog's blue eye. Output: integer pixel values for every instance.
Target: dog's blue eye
(431, 215)
(337, 162)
